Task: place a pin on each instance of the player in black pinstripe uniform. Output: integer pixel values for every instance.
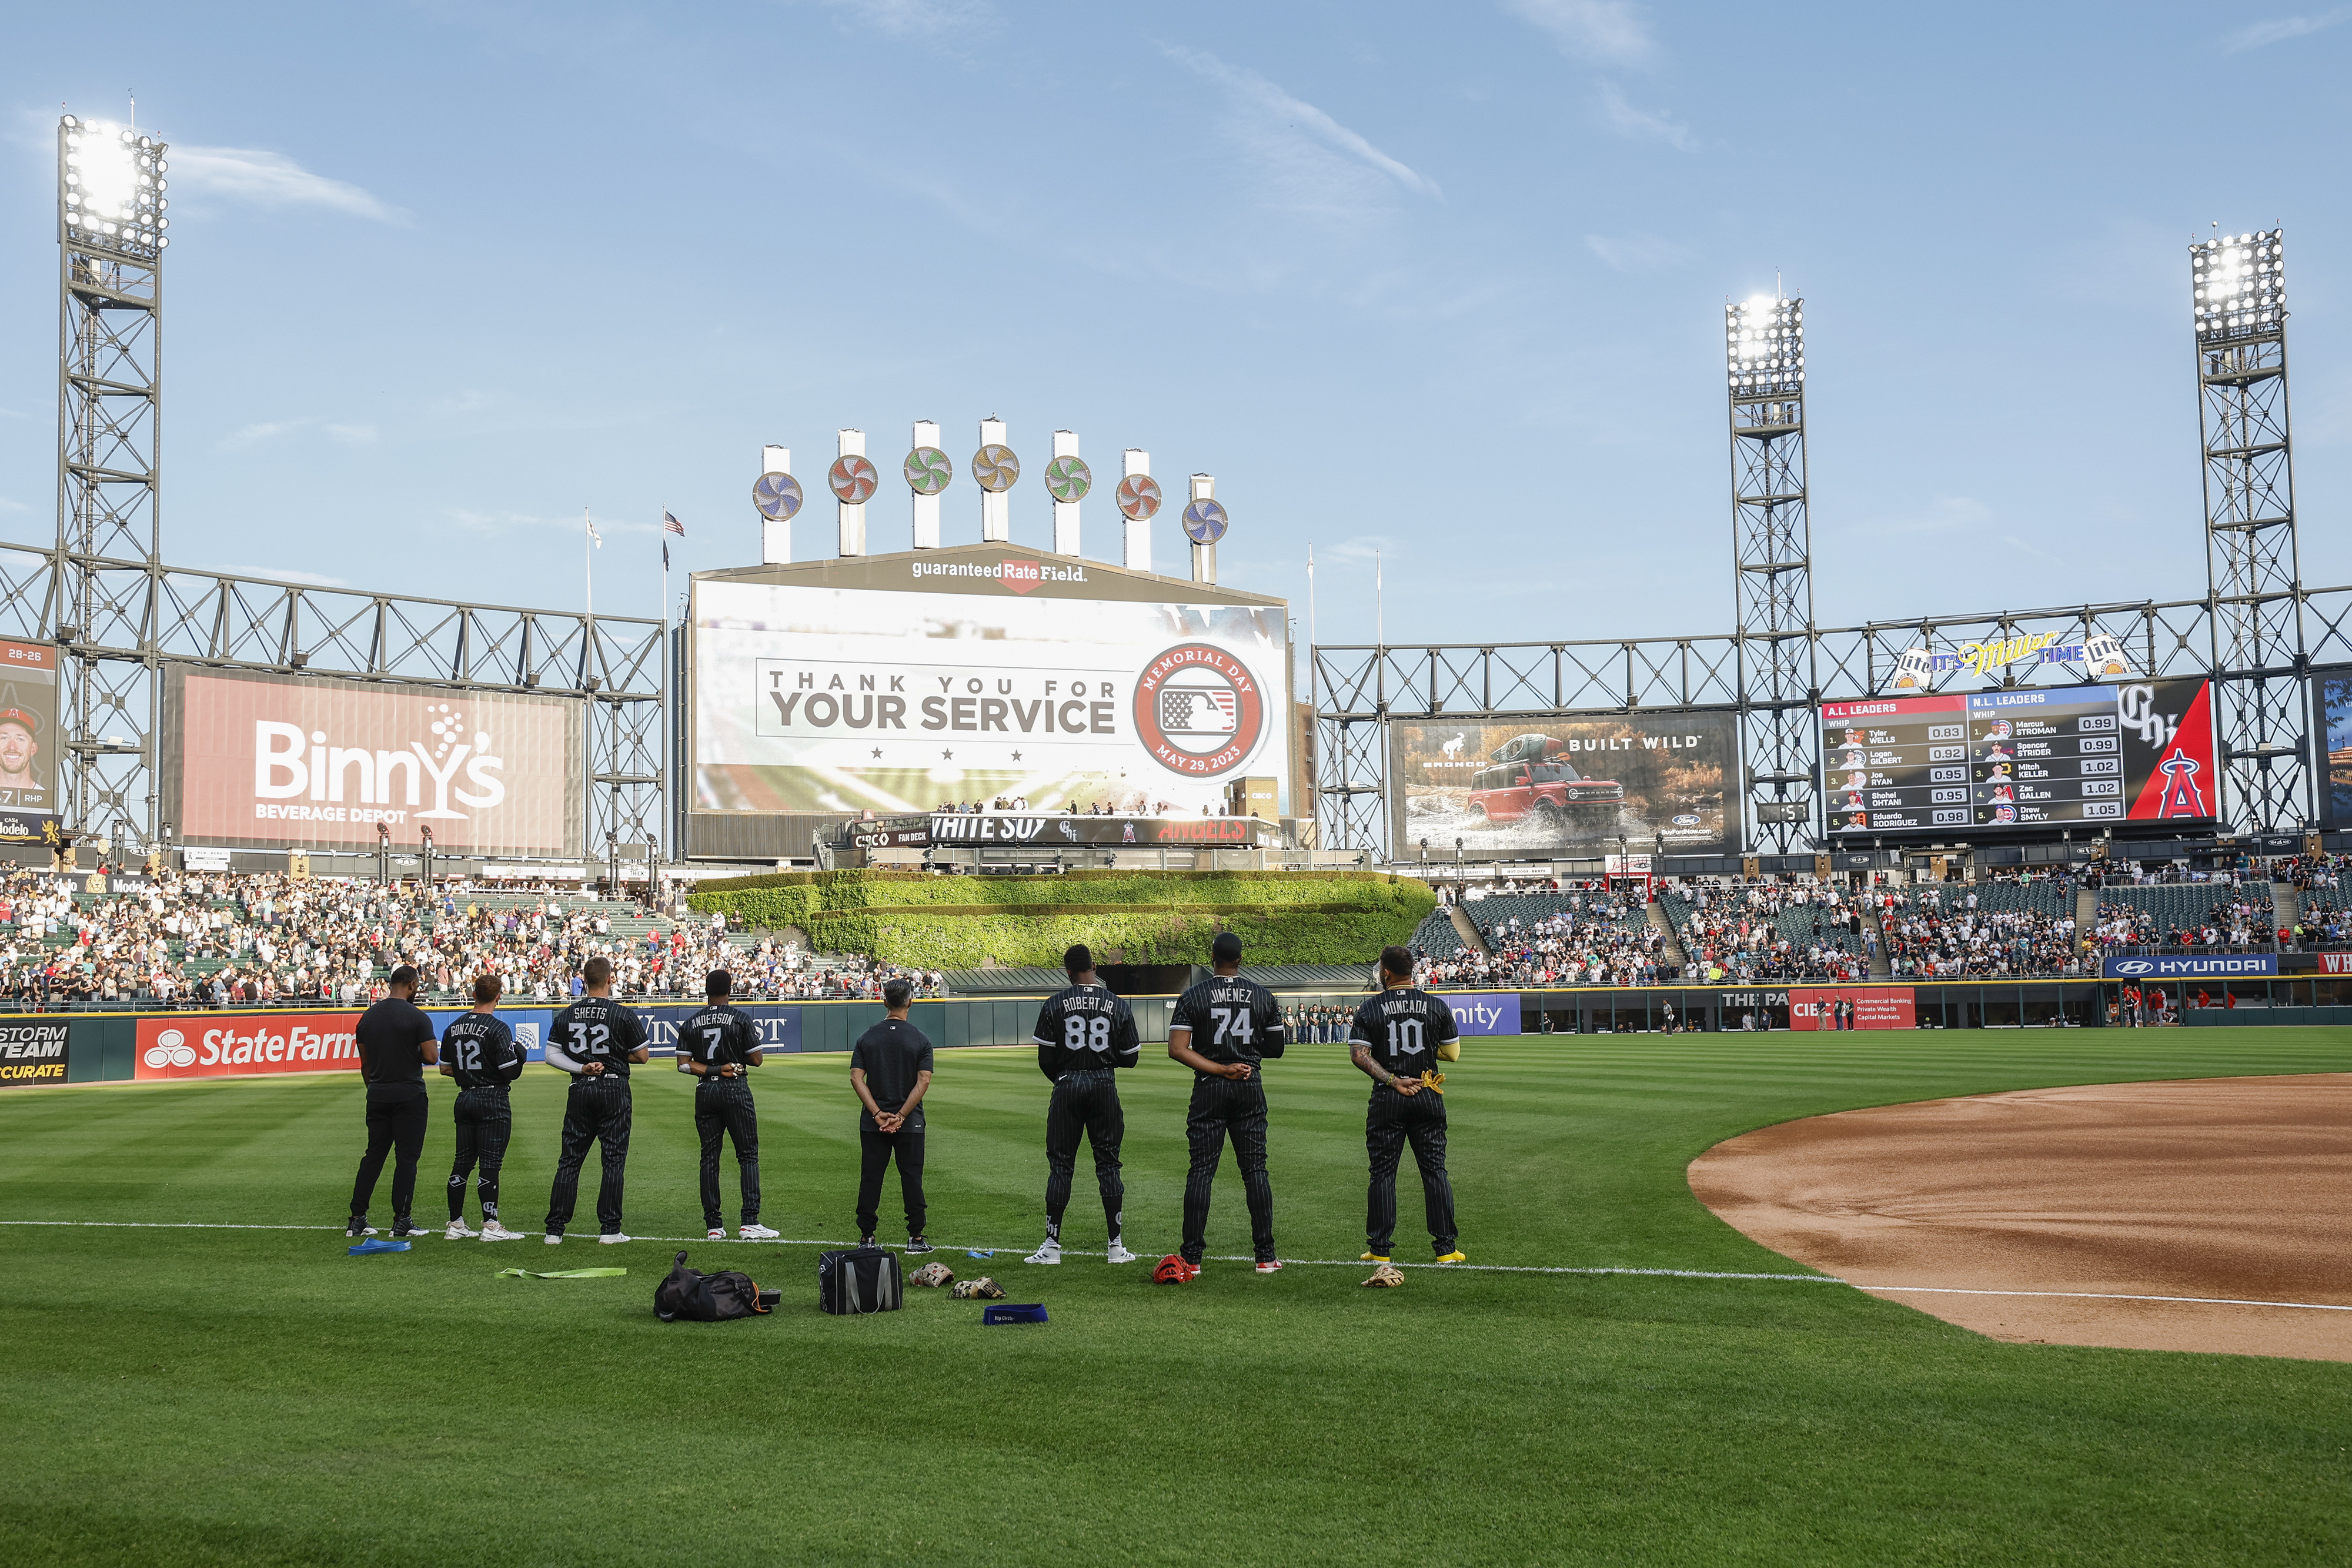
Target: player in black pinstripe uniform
(1393, 1042)
(595, 1039)
(1223, 1030)
(480, 1051)
(718, 1046)
(1084, 1034)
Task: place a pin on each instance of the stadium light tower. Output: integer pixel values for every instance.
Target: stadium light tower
(2253, 571)
(110, 242)
(1772, 557)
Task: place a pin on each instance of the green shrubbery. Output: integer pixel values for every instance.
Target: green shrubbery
(1128, 917)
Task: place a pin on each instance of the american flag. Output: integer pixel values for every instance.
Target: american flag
(671, 526)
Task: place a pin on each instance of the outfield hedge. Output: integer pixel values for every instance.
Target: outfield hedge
(1128, 917)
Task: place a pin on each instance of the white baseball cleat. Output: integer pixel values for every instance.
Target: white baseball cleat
(554, 1239)
(716, 1233)
(493, 1231)
(1049, 1253)
(612, 1239)
(1119, 1254)
(457, 1231)
(758, 1233)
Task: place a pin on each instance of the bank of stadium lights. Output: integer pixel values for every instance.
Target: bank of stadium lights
(1765, 346)
(114, 183)
(2241, 284)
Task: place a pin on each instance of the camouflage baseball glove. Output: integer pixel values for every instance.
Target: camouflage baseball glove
(933, 1275)
(980, 1290)
(1388, 1276)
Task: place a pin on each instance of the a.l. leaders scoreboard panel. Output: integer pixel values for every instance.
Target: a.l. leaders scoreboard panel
(2141, 751)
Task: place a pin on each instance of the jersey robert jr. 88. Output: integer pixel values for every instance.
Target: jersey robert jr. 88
(1403, 1028)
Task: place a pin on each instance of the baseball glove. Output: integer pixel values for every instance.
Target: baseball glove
(933, 1275)
(1431, 1079)
(1388, 1276)
(980, 1290)
(1172, 1270)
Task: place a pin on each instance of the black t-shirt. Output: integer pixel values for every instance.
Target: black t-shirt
(716, 1035)
(389, 1034)
(891, 1054)
(1085, 1029)
(1231, 1020)
(597, 1028)
(1404, 1028)
(481, 1052)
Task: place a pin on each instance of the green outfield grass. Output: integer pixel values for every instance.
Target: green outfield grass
(255, 1396)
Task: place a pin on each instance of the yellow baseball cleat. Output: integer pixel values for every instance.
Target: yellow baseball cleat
(1455, 1257)
(1376, 1257)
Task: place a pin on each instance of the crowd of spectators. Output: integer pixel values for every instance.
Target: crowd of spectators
(1774, 932)
(1598, 938)
(1319, 1023)
(216, 939)
(1939, 933)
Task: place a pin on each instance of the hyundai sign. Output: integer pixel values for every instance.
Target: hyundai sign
(2212, 967)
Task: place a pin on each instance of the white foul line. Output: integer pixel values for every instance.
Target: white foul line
(1307, 1263)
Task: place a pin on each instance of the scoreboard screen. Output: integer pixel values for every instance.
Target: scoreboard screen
(2141, 751)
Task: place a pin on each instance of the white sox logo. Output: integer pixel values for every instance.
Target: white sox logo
(1198, 710)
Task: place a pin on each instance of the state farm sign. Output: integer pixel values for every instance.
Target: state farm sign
(197, 1045)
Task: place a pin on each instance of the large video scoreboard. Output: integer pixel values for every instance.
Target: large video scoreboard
(2141, 751)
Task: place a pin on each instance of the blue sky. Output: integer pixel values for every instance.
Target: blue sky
(1443, 282)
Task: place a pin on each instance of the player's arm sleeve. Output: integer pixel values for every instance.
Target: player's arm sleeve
(1049, 1044)
(558, 1038)
(517, 1058)
(1361, 1028)
(1446, 1029)
(1180, 1017)
(1126, 1046)
(1273, 1033)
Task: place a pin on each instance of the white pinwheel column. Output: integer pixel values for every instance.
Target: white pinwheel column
(995, 505)
(775, 533)
(1065, 513)
(850, 491)
(1137, 555)
(1205, 556)
(922, 472)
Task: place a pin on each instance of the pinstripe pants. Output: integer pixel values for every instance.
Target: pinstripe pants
(1221, 1106)
(1391, 1121)
(597, 1113)
(1087, 1103)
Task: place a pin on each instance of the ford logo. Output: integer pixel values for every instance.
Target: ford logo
(1685, 820)
(2135, 966)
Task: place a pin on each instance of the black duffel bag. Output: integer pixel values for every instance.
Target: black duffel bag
(865, 1279)
(701, 1298)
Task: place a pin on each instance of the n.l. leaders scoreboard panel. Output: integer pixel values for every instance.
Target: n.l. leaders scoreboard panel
(2092, 755)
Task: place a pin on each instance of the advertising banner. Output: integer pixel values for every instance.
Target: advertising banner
(1483, 1012)
(1874, 1007)
(2213, 967)
(1553, 786)
(221, 1045)
(2331, 693)
(33, 1053)
(1012, 687)
(983, 828)
(2336, 963)
(28, 742)
(2056, 757)
(269, 761)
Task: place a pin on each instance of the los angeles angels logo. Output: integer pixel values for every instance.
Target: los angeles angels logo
(2182, 798)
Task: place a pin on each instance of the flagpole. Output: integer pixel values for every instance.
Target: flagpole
(652, 897)
(588, 557)
(1380, 603)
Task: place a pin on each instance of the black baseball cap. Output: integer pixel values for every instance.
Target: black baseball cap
(1225, 949)
(718, 983)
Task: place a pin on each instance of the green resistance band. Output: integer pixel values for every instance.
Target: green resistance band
(561, 1274)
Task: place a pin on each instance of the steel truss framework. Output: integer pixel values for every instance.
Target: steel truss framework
(1771, 534)
(1356, 689)
(133, 619)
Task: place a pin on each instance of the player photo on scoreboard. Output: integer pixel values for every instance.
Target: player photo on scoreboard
(28, 742)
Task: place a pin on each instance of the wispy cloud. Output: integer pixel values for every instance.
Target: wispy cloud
(248, 436)
(273, 180)
(506, 522)
(352, 434)
(1608, 31)
(9, 505)
(1622, 118)
(1944, 514)
(1276, 109)
(916, 18)
(281, 574)
(1636, 252)
(2280, 29)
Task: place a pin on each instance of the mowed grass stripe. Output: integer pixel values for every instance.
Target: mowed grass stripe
(243, 1396)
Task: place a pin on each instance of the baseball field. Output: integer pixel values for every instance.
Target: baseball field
(195, 1373)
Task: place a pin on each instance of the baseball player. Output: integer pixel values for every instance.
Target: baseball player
(595, 1039)
(1084, 1034)
(1223, 1028)
(480, 1053)
(1394, 1041)
(716, 1047)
